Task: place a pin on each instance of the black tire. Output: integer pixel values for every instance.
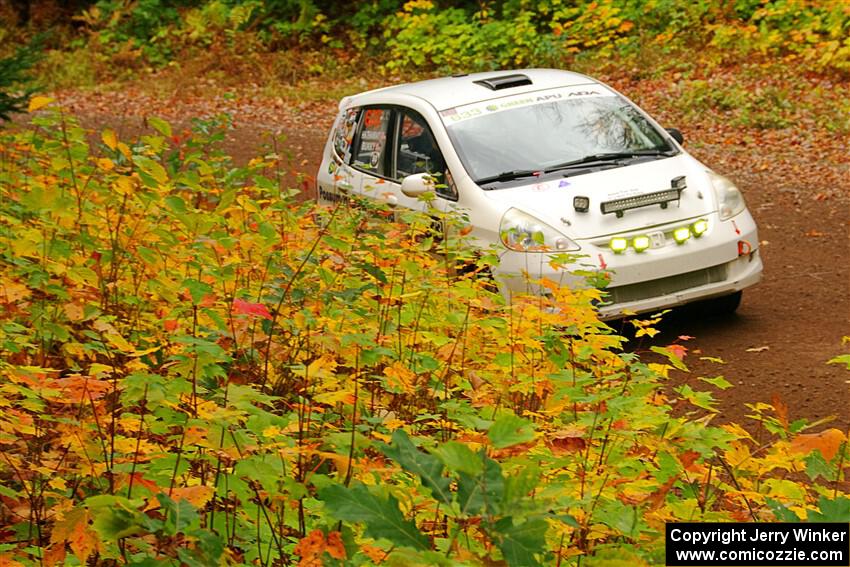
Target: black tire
(724, 305)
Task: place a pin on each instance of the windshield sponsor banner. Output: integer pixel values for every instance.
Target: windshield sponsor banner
(482, 108)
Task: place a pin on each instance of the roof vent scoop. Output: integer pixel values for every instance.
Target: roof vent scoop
(504, 82)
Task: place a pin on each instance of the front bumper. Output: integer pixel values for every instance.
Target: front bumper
(722, 261)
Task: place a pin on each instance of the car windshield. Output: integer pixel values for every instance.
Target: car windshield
(563, 129)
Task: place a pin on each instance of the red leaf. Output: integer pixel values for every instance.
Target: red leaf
(678, 350)
(242, 307)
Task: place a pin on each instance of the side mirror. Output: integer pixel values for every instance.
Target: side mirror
(417, 185)
(676, 134)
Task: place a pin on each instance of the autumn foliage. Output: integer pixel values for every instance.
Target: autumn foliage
(201, 369)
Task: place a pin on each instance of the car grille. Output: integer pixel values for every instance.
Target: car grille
(664, 286)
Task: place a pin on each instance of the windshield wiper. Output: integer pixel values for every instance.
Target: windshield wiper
(612, 158)
(509, 176)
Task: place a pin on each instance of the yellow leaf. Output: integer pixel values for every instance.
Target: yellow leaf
(332, 398)
(399, 377)
(58, 484)
(321, 367)
(105, 164)
(138, 353)
(73, 312)
(109, 138)
(119, 342)
(123, 185)
(12, 292)
(37, 102)
(737, 453)
(196, 495)
(96, 368)
(124, 149)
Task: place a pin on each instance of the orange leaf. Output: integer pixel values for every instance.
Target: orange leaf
(656, 499)
(336, 548)
(688, 458)
(7, 561)
(74, 528)
(781, 410)
(568, 440)
(78, 388)
(827, 442)
(310, 548)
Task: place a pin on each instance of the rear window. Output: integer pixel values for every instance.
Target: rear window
(344, 134)
(372, 144)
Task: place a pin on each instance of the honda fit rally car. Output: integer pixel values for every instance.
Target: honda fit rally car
(548, 161)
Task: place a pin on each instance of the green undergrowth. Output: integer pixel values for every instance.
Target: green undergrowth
(200, 369)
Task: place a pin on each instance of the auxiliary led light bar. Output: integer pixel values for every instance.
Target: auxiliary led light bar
(618, 206)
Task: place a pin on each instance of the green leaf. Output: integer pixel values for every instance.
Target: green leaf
(176, 204)
(843, 359)
(152, 170)
(427, 467)
(482, 493)
(160, 125)
(718, 382)
(197, 289)
(671, 356)
(817, 466)
(115, 517)
(782, 513)
(509, 430)
(519, 544)
(179, 515)
(702, 400)
(382, 518)
(458, 457)
(835, 510)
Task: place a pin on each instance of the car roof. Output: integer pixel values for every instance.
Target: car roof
(458, 90)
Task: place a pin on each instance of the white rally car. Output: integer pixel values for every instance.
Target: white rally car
(548, 161)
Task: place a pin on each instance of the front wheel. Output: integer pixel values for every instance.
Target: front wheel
(724, 305)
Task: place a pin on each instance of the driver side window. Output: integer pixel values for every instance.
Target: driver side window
(416, 151)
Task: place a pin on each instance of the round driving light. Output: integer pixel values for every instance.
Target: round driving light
(640, 243)
(619, 245)
(699, 227)
(680, 235)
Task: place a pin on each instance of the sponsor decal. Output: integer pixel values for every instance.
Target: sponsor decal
(460, 113)
(330, 196)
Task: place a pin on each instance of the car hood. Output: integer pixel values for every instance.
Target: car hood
(551, 200)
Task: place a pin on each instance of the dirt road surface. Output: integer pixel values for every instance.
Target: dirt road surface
(775, 348)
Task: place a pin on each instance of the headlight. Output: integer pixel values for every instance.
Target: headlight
(730, 202)
(524, 233)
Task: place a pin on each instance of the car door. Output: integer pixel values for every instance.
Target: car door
(392, 143)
